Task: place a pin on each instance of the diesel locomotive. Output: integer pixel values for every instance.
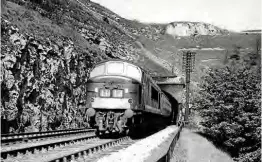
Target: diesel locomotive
(122, 97)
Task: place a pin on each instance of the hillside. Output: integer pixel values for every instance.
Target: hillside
(164, 42)
(48, 48)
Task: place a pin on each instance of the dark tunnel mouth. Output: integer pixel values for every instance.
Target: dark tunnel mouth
(174, 105)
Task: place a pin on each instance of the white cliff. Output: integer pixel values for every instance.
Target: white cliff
(192, 28)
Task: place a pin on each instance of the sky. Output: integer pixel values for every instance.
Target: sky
(233, 15)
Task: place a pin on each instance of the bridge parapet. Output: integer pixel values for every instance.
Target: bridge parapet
(157, 147)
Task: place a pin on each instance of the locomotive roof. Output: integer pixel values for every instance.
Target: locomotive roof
(130, 62)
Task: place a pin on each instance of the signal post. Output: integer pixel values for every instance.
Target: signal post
(188, 66)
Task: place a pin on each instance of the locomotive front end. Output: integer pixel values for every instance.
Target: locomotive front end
(113, 95)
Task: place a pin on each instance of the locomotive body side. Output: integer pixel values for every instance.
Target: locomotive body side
(155, 101)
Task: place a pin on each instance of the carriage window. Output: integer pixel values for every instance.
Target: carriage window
(154, 94)
(99, 70)
(115, 68)
(154, 98)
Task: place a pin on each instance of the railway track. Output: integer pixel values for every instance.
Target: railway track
(89, 148)
(10, 139)
(79, 149)
(19, 148)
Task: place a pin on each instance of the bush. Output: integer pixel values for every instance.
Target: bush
(229, 103)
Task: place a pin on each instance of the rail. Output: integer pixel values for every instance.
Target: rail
(33, 135)
(28, 133)
(43, 146)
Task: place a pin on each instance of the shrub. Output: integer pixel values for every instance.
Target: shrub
(229, 103)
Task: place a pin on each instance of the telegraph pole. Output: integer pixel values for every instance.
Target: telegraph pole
(188, 66)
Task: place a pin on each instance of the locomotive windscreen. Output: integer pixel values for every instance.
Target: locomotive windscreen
(117, 68)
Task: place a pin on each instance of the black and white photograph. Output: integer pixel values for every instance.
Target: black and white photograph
(130, 80)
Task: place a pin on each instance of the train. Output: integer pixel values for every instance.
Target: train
(123, 98)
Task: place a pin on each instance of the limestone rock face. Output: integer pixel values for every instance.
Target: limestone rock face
(192, 28)
(42, 83)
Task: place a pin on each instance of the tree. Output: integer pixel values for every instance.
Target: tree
(230, 106)
(257, 52)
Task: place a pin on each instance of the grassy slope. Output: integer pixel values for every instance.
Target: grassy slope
(41, 27)
(30, 21)
(165, 47)
(192, 147)
(143, 60)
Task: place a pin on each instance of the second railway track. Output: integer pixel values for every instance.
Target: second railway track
(7, 139)
(81, 149)
(16, 148)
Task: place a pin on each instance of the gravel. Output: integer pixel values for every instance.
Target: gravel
(192, 147)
